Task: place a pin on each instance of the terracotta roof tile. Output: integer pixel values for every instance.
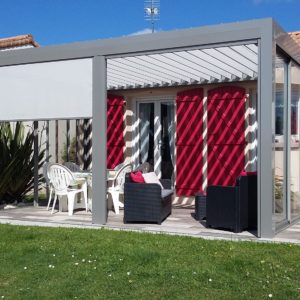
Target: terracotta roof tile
(296, 36)
(18, 41)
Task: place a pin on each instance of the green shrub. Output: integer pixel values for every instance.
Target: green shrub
(72, 153)
(17, 162)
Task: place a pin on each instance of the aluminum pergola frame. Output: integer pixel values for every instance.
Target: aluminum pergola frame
(265, 32)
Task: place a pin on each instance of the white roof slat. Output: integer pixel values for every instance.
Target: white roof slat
(203, 65)
(218, 63)
(123, 79)
(126, 79)
(204, 59)
(112, 84)
(246, 53)
(160, 67)
(186, 65)
(253, 48)
(138, 69)
(141, 62)
(115, 82)
(243, 61)
(141, 73)
(228, 60)
(176, 67)
(158, 59)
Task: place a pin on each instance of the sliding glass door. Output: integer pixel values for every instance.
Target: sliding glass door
(295, 142)
(156, 136)
(280, 179)
(286, 175)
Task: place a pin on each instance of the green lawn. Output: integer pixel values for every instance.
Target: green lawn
(59, 263)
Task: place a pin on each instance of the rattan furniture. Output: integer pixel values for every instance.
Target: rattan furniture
(233, 207)
(147, 202)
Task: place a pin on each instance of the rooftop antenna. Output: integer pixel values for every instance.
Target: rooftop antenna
(152, 11)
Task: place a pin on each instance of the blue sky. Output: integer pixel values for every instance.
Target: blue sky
(64, 21)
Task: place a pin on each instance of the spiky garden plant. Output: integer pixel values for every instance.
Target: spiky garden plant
(17, 162)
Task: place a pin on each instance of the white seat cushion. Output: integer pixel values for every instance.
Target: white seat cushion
(152, 178)
(166, 193)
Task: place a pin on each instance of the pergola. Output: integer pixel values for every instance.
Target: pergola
(71, 82)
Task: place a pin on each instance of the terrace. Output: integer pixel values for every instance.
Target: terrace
(163, 93)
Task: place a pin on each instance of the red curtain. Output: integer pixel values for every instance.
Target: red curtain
(189, 142)
(115, 129)
(226, 135)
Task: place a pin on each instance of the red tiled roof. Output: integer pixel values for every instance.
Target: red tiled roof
(296, 36)
(18, 41)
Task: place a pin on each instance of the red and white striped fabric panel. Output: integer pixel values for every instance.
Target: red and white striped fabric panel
(226, 134)
(189, 142)
(115, 128)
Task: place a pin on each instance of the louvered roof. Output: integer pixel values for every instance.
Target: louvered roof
(195, 66)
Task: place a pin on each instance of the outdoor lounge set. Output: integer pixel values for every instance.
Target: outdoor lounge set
(227, 207)
(149, 200)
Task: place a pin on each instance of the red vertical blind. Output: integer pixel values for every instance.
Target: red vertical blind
(226, 135)
(189, 142)
(115, 128)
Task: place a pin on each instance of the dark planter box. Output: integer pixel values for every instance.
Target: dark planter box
(200, 206)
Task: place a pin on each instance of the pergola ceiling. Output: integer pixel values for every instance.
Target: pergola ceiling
(211, 65)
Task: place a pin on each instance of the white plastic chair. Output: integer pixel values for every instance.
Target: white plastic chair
(64, 185)
(48, 182)
(117, 187)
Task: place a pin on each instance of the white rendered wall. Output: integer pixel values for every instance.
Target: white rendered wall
(54, 90)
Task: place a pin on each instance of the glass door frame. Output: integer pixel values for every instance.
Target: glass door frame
(293, 217)
(157, 100)
(286, 129)
(287, 142)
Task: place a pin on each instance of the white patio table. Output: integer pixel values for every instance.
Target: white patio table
(85, 177)
(88, 176)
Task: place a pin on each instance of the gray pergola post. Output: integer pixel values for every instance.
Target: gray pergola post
(265, 131)
(99, 141)
(36, 163)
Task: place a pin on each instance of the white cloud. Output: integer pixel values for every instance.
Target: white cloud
(143, 31)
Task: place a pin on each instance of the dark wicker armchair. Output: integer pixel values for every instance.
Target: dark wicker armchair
(147, 202)
(233, 207)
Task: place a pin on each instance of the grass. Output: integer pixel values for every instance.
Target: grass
(60, 263)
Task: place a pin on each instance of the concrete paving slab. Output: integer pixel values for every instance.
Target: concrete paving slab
(181, 222)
